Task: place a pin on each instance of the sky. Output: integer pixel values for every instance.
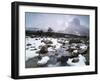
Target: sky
(58, 22)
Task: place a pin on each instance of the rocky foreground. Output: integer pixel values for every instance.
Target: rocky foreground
(51, 52)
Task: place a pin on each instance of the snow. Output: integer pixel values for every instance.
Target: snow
(51, 49)
(75, 51)
(83, 47)
(56, 47)
(81, 61)
(66, 41)
(55, 43)
(35, 44)
(43, 61)
(30, 54)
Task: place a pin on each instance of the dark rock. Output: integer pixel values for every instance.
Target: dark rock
(44, 49)
(32, 46)
(29, 44)
(75, 41)
(33, 49)
(63, 60)
(87, 62)
(43, 65)
(47, 41)
(70, 50)
(73, 55)
(75, 60)
(36, 39)
(49, 45)
(56, 54)
(42, 40)
(39, 57)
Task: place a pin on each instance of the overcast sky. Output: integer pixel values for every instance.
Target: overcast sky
(57, 22)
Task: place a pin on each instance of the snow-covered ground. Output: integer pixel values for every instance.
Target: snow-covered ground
(56, 48)
(35, 43)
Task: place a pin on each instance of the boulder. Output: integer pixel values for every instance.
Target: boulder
(63, 60)
(75, 60)
(43, 49)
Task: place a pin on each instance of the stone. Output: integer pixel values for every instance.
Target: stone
(75, 60)
(29, 44)
(43, 49)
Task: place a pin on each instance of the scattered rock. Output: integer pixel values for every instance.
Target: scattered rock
(75, 41)
(61, 49)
